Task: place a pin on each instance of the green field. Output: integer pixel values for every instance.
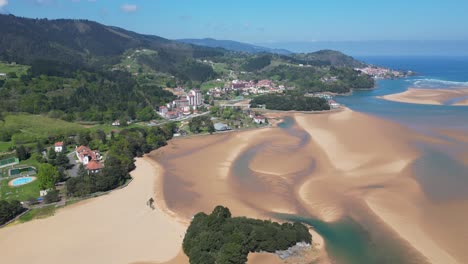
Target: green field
(20, 193)
(211, 84)
(29, 128)
(18, 69)
(4, 146)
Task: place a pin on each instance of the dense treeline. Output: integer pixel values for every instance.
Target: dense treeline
(219, 238)
(91, 96)
(290, 102)
(257, 63)
(25, 40)
(187, 70)
(9, 210)
(123, 148)
(201, 123)
(328, 57)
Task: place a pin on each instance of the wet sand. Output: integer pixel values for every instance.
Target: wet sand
(331, 166)
(114, 228)
(429, 96)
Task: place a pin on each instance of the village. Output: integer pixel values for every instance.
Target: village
(383, 73)
(234, 95)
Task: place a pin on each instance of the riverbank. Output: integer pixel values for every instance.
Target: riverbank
(115, 228)
(430, 96)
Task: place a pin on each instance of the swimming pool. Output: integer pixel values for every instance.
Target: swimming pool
(21, 181)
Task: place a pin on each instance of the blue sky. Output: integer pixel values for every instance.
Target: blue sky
(265, 20)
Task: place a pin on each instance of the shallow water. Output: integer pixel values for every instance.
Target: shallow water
(441, 176)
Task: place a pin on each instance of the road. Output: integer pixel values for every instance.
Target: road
(73, 172)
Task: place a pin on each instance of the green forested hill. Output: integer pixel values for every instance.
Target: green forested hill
(83, 70)
(79, 41)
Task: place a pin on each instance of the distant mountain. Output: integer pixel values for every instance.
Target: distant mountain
(233, 46)
(25, 40)
(332, 57)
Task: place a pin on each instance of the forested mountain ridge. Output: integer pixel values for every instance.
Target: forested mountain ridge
(234, 46)
(24, 40)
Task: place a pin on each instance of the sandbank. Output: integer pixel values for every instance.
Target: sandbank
(429, 96)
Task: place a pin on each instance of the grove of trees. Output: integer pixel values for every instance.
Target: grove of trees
(290, 102)
(9, 210)
(220, 238)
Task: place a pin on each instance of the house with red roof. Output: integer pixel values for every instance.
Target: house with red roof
(58, 146)
(94, 166)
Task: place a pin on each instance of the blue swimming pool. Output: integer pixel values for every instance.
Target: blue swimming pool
(21, 181)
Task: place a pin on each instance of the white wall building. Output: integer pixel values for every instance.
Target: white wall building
(195, 98)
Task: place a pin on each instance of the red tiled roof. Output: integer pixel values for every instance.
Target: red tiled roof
(94, 165)
(59, 144)
(82, 148)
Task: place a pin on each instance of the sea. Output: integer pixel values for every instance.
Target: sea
(350, 242)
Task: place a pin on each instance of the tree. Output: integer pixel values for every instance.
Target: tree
(12, 75)
(47, 176)
(52, 156)
(62, 160)
(52, 196)
(39, 147)
(9, 210)
(22, 153)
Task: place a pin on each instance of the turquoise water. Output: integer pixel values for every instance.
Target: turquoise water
(22, 181)
(352, 243)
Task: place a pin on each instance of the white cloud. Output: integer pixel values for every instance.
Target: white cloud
(128, 8)
(3, 3)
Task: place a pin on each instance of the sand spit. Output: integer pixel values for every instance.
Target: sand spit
(115, 228)
(429, 96)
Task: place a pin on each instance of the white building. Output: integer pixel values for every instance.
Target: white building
(195, 98)
(163, 110)
(58, 147)
(259, 119)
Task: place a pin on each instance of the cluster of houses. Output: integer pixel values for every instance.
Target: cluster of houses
(184, 105)
(247, 88)
(381, 73)
(256, 118)
(91, 159)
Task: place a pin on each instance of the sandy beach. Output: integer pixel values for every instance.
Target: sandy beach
(114, 228)
(328, 166)
(430, 96)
